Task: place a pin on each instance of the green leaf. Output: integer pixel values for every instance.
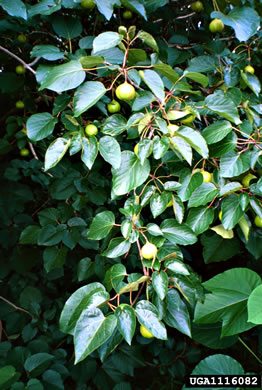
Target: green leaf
(87, 95)
(178, 207)
(130, 174)
(92, 330)
(231, 211)
(229, 188)
(176, 233)
(115, 125)
(219, 103)
(198, 77)
(252, 81)
(199, 219)
(203, 194)
(244, 20)
(234, 163)
(160, 146)
(29, 235)
(209, 336)
(38, 363)
(110, 345)
(167, 71)
(148, 40)
(64, 77)
(114, 277)
(89, 151)
(194, 139)
(216, 131)
(106, 40)
(218, 249)
(183, 147)
(160, 283)
(201, 64)
(106, 8)
(67, 27)
(54, 258)
(8, 375)
(40, 126)
(177, 315)
(55, 152)
(89, 296)
(91, 61)
(148, 316)
(44, 7)
(101, 225)
(228, 300)
(126, 321)
(189, 183)
(135, 6)
(176, 266)
(48, 52)
(154, 82)
(117, 247)
(254, 306)
(14, 8)
(110, 150)
(154, 229)
(158, 203)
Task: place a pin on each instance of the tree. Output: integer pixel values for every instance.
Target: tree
(129, 239)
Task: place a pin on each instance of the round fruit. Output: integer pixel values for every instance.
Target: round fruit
(113, 107)
(249, 69)
(197, 6)
(122, 30)
(91, 130)
(88, 4)
(127, 14)
(20, 69)
(247, 179)
(145, 332)
(258, 221)
(24, 131)
(136, 149)
(148, 251)
(216, 25)
(19, 104)
(125, 91)
(207, 177)
(172, 129)
(220, 215)
(188, 119)
(21, 38)
(24, 152)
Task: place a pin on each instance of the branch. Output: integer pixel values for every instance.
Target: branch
(18, 59)
(16, 307)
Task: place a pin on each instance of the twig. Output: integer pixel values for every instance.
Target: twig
(16, 307)
(18, 59)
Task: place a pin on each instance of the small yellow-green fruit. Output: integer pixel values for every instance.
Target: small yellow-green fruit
(136, 149)
(170, 203)
(148, 251)
(127, 14)
(145, 332)
(20, 69)
(258, 221)
(207, 177)
(220, 215)
(19, 104)
(125, 91)
(21, 38)
(113, 107)
(24, 131)
(172, 129)
(188, 119)
(249, 69)
(216, 25)
(88, 4)
(197, 6)
(122, 30)
(91, 130)
(24, 152)
(247, 179)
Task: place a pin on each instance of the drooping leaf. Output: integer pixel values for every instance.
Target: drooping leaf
(106, 40)
(126, 321)
(177, 233)
(148, 316)
(160, 283)
(89, 151)
(110, 150)
(40, 126)
(117, 247)
(219, 103)
(87, 95)
(101, 225)
(177, 315)
(14, 8)
(55, 152)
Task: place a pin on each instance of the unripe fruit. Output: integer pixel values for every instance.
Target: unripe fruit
(125, 91)
(197, 6)
(189, 119)
(20, 69)
(91, 130)
(170, 203)
(88, 4)
(172, 129)
(19, 104)
(113, 107)
(21, 38)
(249, 69)
(122, 30)
(145, 332)
(24, 152)
(207, 177)
(216, 25)
(148, 251)
(258, 221)
(127, 14)
(24, 131)
(136, 149)
(247, 179)
(220, 215)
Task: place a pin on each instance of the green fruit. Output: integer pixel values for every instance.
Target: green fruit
(91, 130)
(258, 221)
(136, 149)
(113, 107)
(172, 129)
(21, 38)
(20, 69)
(19, 104)
(125, 91)
(249, 69)
(207, 177)
(127, 14)
(24, 152)
(197, 6)
(188, 119)
(216, 25)
(220, 215)
(148, 251)
(24, 131)
(145, 332)
(87, 4)
(122, 30)
(246, 179)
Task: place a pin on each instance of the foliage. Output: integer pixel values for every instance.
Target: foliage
(75, 213)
